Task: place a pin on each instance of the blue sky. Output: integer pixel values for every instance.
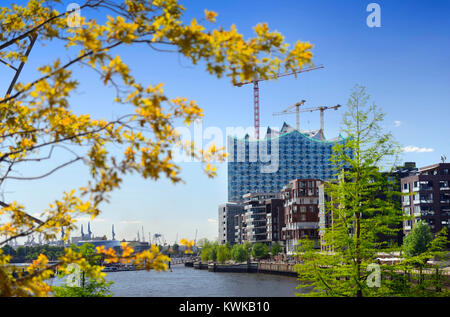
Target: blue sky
(404, 65)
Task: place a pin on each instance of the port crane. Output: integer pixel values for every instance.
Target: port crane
(297, 111)
(256, 93)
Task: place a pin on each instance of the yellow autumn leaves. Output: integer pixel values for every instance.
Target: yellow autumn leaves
(39, 118)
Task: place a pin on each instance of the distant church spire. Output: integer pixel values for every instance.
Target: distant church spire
(82, 233)
(113, 234)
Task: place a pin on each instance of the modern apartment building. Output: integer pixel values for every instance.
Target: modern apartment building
(254, 219)
(429, 197)
(275, 219)
(268, 164)
(227, 213)
(301, 212)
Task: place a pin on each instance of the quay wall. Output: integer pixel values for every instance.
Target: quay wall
(250, 267)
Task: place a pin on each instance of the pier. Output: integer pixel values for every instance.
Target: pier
(249, 267)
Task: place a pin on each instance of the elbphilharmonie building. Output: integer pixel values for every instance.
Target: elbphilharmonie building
(266, 165)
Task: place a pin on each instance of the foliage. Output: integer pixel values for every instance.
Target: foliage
(176, 248)
(276, 248)
(30, 253)
(204, 254)
(188, 244)
(426, 266)
(213, 252)
(248, 247)
(239, 253)
(89, 287)
(93, 288)
(417, 241)
(38, 119)
(260, 251)
(363, 207)
(209, 251)
(223, 254)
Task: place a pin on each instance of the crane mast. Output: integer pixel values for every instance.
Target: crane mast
(256, 112)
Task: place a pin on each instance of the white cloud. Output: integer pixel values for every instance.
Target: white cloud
(212, 220)
(411, 148)
(397, 123)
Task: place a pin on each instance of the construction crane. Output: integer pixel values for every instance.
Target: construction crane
(297, 112)
(321, 109)
(256, 93)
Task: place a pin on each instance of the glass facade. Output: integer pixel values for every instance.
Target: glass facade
(266, 165)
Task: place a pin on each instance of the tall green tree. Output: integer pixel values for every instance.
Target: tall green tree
(363, 206)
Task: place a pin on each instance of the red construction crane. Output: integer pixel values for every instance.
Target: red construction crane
(256, 93)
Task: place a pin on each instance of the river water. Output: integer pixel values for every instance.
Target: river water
(189, 282)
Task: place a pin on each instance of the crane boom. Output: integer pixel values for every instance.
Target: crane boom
(297, 111)
(255, 82)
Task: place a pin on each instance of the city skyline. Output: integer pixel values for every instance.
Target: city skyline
(388, 60)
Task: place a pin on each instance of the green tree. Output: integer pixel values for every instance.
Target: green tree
(8, 250)
(88, 286)
(205, 251)
(176, 249)
(239, 253)
(213, 252)
(223, 254)
(92, 289)
(418, 240)
(276, 248)
(359, 215)
(260, 250)
(248, 247)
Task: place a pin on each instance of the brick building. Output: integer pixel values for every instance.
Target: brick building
(301, 212)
